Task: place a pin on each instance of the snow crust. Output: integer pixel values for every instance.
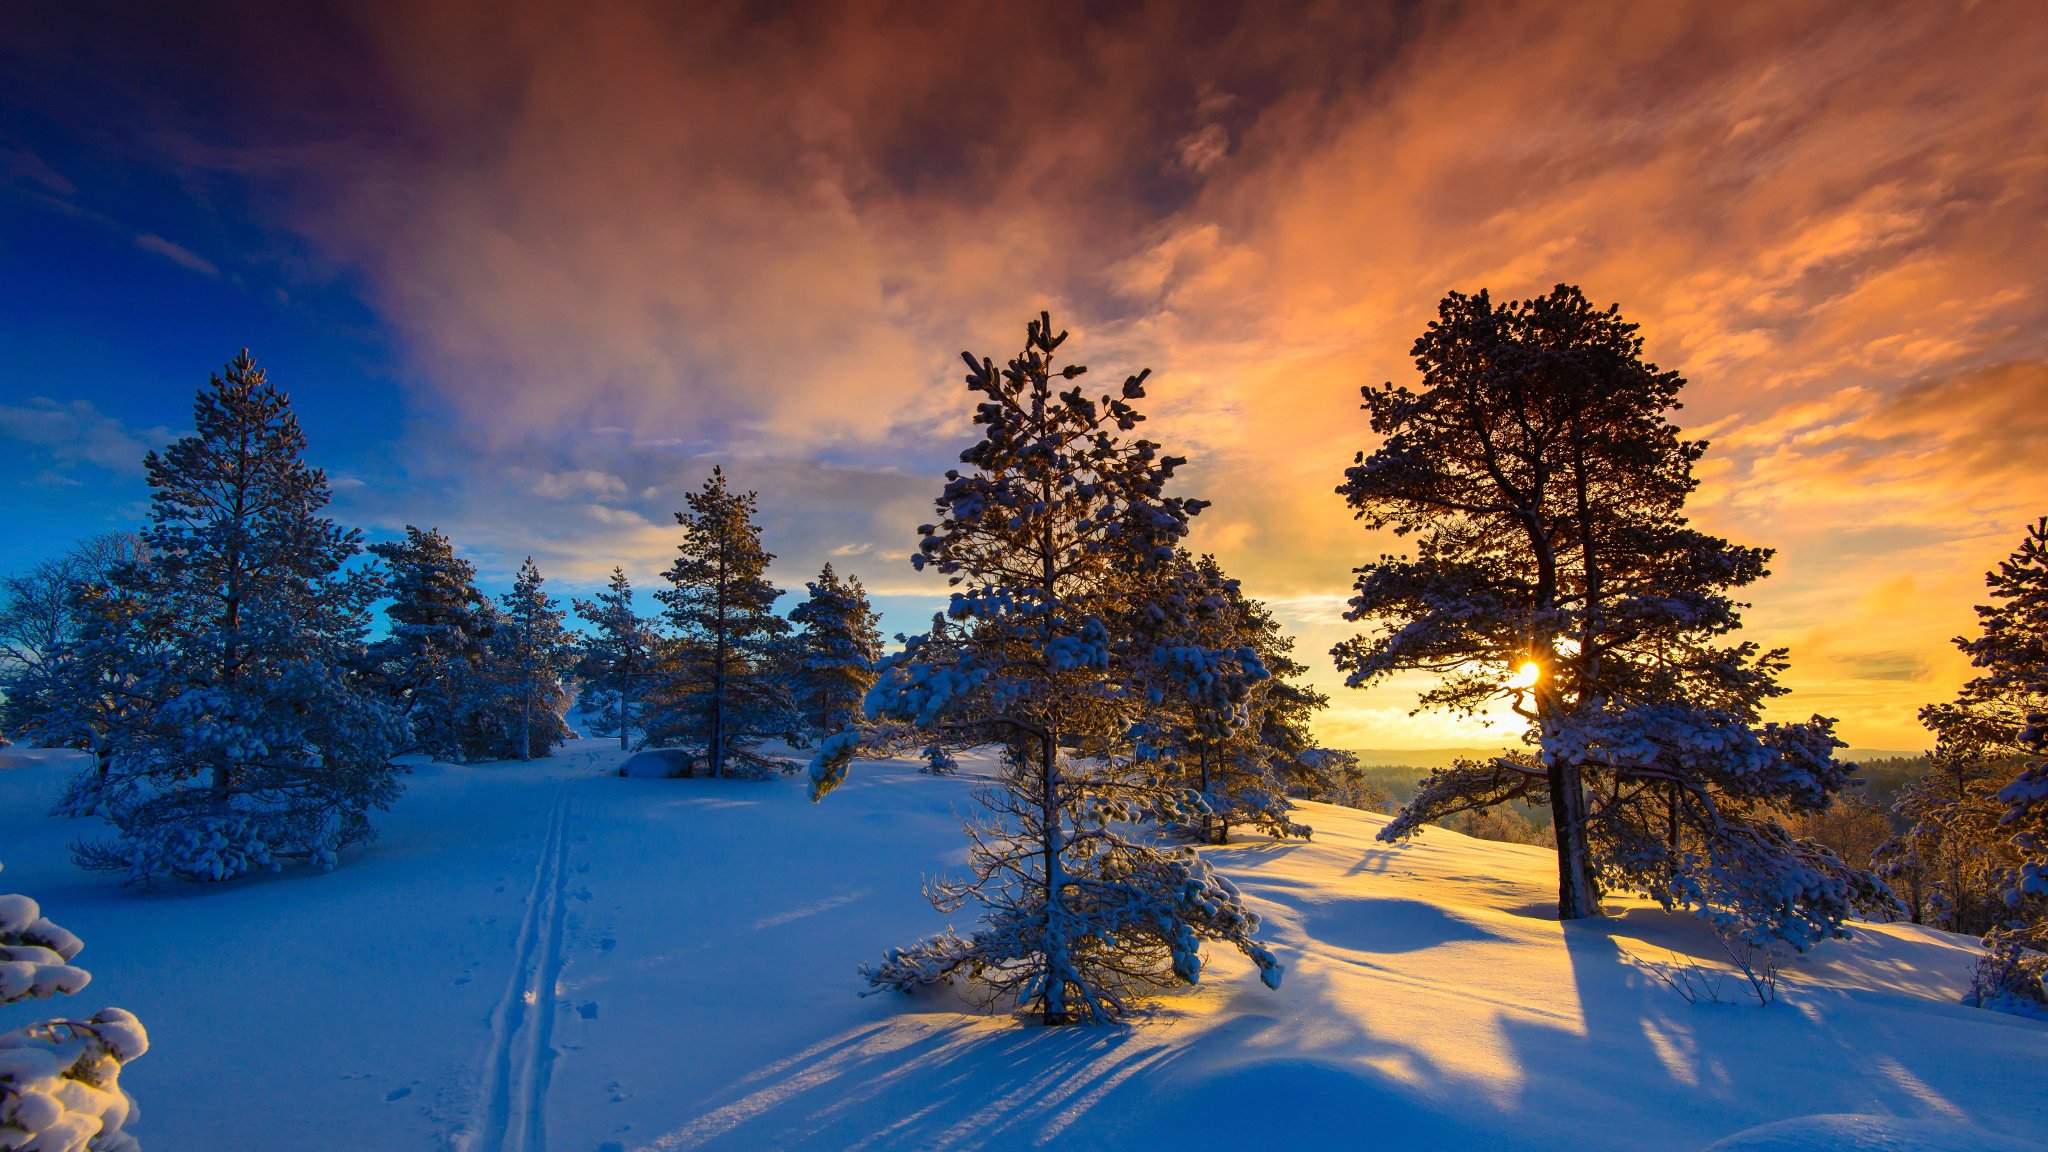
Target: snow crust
(548, 954)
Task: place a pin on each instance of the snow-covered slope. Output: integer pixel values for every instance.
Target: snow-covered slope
(549, 956)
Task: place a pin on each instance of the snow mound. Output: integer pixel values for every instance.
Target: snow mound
(1852, 1132)
(658, 764)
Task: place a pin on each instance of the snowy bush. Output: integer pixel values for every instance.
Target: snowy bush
(60, 1085)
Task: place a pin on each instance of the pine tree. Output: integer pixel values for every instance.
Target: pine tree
(60, 1082)
(1977, 839)
(245, 740)
(1234, 731)
(838, 646)
(1048, 535)
(717, 692)
(528, 654)
(618, 660)
(435, 651)
(1545, 487)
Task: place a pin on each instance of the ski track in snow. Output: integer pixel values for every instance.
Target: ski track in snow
(522, 1026)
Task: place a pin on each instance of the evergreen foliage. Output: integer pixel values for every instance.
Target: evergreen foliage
(1051, 535)
(1544, 486)
(1976, 843)
(838, 644)
(617, 660)
(243, 740)
(1212, 716)
(60, 1087)
(717, 693)
(528, 654)
(431, 663)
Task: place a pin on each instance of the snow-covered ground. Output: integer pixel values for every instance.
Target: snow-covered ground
(547, 956)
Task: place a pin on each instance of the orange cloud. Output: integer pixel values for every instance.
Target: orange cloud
(764, 238)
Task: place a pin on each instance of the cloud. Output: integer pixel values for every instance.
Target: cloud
(743, 234)
(77, 432)
(176, 253)
(19, 166)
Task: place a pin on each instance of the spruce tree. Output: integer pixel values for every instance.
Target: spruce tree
(60, 1084)
(717, 691)
(618, 659)
(246, 740)
(1049, 534)
(1544, 485)
(435, 651)
(838, 644)
(528, 654)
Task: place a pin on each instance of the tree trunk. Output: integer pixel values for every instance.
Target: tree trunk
(1575, 898)
(1055, 994)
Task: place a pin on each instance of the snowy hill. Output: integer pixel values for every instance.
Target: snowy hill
(549, 956)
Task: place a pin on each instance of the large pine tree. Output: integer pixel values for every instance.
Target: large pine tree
(617, 660)
(247, 740)
(434, 653)
(718, 693)
(838, 644)
(1543, 484)
(1049, 534)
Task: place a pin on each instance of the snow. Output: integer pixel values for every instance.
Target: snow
(550, 955)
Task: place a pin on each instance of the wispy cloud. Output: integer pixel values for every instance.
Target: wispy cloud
(176, 253)
(77, 432)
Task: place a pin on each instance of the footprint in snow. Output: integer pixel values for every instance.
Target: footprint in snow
(587, 1009)
(607, 944)
(397, 1094)
(460, 980)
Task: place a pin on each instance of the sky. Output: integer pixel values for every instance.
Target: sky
(528, 270)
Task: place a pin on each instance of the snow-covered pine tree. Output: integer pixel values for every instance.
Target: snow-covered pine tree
(526, 658)
(60, 1080)
(716, 692)
(838, 644)
(1977, 841)
(1545, 487)
(617, 660)
(1204, 680)
(246, 742)
(1047, 534)
(434, 653)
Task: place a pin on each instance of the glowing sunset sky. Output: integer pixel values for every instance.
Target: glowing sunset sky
(529, 270)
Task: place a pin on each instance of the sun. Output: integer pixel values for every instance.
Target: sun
(1526, 676)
